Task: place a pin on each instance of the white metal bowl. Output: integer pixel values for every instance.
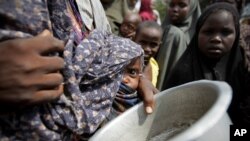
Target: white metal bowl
(193, 111)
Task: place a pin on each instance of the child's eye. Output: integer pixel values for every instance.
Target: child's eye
(154, 45)
(133, 72)
(207, 32)
(183, 5)
(226, 32)
(142, 42)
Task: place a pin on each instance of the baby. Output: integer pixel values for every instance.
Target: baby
(127, 95)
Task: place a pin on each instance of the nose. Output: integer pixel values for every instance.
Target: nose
(216, 38)
(147, 49)
(125, 79)
(175, 8)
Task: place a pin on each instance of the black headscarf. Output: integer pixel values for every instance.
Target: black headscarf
(194, 66)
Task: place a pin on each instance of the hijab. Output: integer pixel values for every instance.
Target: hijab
(191, 65)
(191, 61)
(188, 25)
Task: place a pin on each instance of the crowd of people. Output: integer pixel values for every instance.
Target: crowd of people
(69, 66)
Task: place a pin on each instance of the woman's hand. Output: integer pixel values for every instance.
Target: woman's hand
(28, 75)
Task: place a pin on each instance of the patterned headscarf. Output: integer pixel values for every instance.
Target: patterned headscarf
(92, 73)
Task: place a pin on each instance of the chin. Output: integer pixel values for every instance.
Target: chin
(215, 57)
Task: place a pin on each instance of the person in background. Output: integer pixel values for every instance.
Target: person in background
(149, 35)
(115, 11)
(156, 12)
(129, 25)
(146, 11)
(132, 5)
(245, 15)
(214, 54)
(178, 28)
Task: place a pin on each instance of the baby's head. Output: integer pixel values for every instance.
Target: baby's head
(129, 25)
(149, 35)
(132, 73)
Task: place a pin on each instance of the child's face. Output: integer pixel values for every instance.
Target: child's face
(178, 10)
(217, 35)
(129, 26)
(150, 40)
(131, 75)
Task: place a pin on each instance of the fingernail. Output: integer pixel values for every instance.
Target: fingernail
(45, 33)
(149, 110)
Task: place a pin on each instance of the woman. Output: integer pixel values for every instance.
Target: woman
(214, 54)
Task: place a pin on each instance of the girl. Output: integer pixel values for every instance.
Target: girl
(214, 54)
(178, 28)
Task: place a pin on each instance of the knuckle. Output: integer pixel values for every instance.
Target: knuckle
(28, 66)
(14, 45)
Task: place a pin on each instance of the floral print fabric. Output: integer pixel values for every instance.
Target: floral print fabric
(93, 71)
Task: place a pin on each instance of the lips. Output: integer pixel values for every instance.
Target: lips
(215, 49)
(174, 16)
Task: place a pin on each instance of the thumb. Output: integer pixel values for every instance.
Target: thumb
(149, 104)
(45, 32)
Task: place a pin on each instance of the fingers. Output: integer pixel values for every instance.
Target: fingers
(47, 95)
(147, 91)
(48, 81)
(51, 64)
(149, 103)
(44, 43)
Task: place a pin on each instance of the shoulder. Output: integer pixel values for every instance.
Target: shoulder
(174, 34)
(154, 65)
(175, 30)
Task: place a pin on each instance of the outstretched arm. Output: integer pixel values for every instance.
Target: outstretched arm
(147, 91)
